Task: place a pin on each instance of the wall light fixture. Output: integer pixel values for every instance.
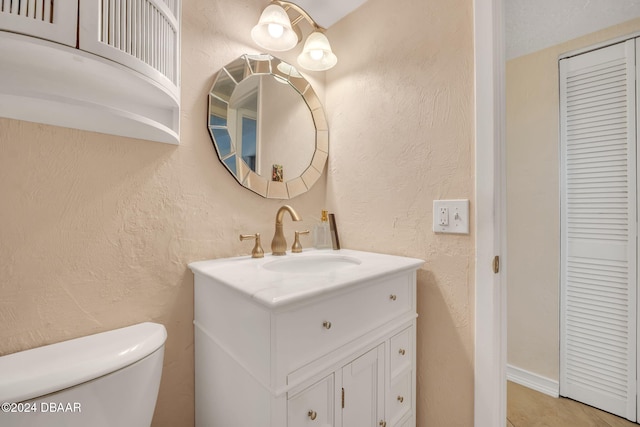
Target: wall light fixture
(277, 32)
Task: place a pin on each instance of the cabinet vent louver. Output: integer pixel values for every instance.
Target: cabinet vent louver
(41, 10)
(144, 29)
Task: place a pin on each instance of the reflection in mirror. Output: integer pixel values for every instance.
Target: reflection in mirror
(243, 113)
(268, 126)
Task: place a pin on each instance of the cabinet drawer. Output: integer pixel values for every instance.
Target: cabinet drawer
(400, 398)
(312, 406)
(401, 352)
(307, 332)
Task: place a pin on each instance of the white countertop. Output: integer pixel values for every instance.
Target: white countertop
(252, 276)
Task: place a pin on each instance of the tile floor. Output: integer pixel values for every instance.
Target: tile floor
(529, 408)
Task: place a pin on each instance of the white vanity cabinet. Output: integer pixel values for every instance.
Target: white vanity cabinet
(110, 66)
(305, 350)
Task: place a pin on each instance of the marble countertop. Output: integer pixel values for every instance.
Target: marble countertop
(312, 273)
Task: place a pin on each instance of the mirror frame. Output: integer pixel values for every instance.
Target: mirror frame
(237, 71)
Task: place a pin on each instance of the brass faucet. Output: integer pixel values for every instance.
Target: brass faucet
(279, 244)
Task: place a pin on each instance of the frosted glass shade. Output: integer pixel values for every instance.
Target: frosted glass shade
(274, 31)
(317, 54)
(289, 70)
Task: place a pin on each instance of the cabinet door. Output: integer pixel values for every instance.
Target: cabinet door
(143, 35)
(363, 390)
(313, 406)
(54, 20)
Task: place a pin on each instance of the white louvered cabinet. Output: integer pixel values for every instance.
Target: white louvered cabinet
(599, 354)
(110, 66)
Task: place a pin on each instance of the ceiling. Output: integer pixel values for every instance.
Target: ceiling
(532, 25)
(328, 12)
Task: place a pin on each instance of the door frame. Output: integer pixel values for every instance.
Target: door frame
(490, 386)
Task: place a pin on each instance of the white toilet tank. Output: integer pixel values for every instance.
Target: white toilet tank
(104, 380)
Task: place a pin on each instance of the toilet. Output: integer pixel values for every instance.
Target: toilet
(102, 380)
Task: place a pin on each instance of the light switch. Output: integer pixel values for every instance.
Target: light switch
(451, 216)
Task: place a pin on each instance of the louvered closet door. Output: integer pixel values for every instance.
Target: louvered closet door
(598, 229)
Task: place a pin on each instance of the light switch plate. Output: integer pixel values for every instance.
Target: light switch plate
(451, 216)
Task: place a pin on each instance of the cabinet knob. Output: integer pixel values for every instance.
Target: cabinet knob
(401, 351)
(393, 297)
(326, 324)
(400, 399)
(382, 423)
(312, 414)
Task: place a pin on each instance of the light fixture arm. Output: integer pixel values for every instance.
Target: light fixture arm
(286, 5)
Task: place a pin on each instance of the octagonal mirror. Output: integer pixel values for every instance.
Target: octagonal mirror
(268, 126)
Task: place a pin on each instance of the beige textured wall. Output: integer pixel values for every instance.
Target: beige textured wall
(400, 105)
(96, 230)
(533, 219)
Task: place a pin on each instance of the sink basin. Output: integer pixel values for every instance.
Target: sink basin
(311, 264)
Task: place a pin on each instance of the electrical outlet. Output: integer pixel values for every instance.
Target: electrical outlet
(451, 216)
(443, 215)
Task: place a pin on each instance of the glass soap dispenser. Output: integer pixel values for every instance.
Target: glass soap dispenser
(321, 233)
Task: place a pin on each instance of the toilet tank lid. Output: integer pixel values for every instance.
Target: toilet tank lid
(36, 372)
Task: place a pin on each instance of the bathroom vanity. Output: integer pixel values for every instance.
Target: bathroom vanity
(321, 338)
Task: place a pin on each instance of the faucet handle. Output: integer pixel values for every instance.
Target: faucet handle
(257, 251)
(297, 247)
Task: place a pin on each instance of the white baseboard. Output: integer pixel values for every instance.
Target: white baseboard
(533, 381)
